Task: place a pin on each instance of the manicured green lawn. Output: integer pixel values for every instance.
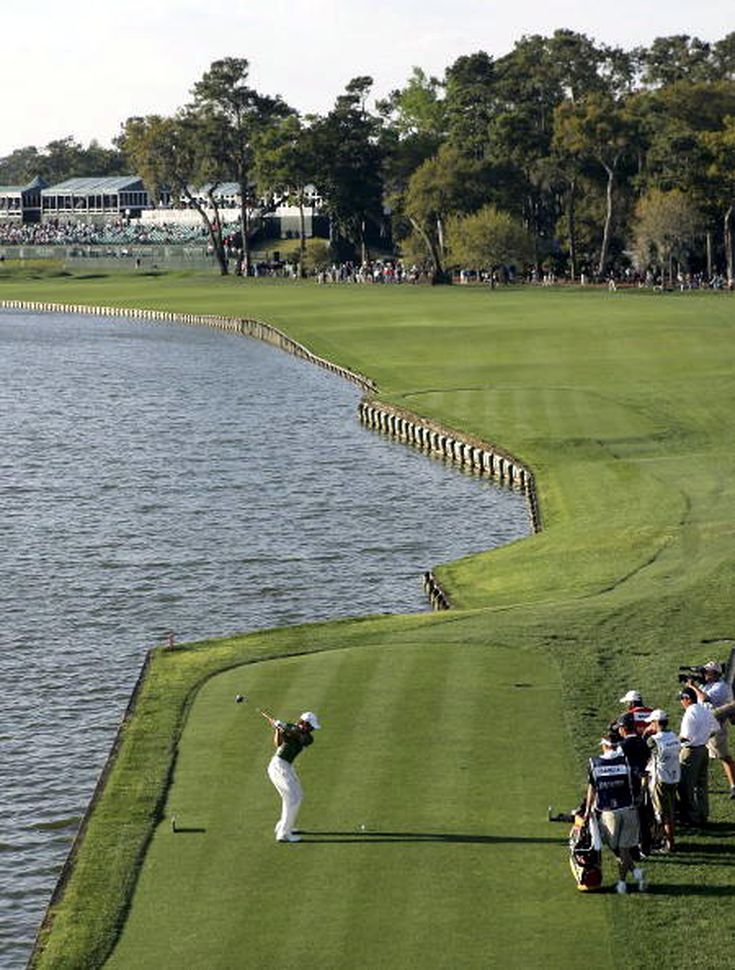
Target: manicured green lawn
(623, 405)
(456, 865)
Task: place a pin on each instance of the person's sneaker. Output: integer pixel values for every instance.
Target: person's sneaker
(621, 888)
(640, 878)
(289, 838)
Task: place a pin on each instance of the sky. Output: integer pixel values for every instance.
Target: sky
(82, 67)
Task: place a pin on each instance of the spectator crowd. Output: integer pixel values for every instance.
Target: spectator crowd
(100, 234)
(650, 780)
(370, 271)
(377, 270)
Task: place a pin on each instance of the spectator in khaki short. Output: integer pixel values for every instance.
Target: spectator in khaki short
(664, 773)
(610, 796)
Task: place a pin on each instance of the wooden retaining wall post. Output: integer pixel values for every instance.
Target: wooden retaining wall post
(436, 594)
(470, 453)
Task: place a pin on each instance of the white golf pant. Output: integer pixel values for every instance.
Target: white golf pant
(287, 783)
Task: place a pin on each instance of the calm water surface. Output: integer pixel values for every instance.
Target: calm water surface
(154, 478)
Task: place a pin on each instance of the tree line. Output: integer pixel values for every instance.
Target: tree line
(564, 154)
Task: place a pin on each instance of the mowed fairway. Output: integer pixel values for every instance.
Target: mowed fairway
(455, 866)
(624, 406)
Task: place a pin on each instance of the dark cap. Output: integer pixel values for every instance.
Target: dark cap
(627, 721)
(688, 693)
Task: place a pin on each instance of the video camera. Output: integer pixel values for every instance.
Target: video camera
(691, 673)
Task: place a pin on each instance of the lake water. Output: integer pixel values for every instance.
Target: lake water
(157, 477)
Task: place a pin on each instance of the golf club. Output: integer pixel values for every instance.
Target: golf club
(242, 698)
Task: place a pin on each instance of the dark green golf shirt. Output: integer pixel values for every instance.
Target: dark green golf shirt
(293, 743)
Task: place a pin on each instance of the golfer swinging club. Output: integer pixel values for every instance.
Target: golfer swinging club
(290, 740)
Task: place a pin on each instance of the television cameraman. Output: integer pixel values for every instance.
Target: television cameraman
(714, 691)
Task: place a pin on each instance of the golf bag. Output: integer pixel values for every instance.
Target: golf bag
(584, 859)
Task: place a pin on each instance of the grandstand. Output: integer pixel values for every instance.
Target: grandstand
(95, 198)
(120, 200)
(110, 216)
(284, 221)
(21, 203)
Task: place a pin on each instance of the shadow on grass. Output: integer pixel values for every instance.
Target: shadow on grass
(682, 889)
(715, 829)
(373, 838)
(705, 848)
(715, 839)
(711, 830)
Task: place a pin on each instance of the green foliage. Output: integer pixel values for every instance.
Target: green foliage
(31, 269)
(237, 115)
(283, 158)
(21, 166)
(284, 166)
(315, 255)
(418, 109)
(678, 58)
(446, 185)
(348, 158)
(414, 251)
(675, 123)
(470, 102)
(603, 130)
(667, 226)
(414, 127)
(207, 142)
(232, 116)
(486, 239)
(721, 171)
(61, 159)
(173, 154)
(154, 147)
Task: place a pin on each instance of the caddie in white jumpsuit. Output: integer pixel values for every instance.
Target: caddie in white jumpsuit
(290, 740)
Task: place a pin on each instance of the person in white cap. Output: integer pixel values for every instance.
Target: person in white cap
(290, 740)
(715, 692)
(611, 796)
(638, 709)
(664, 774)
